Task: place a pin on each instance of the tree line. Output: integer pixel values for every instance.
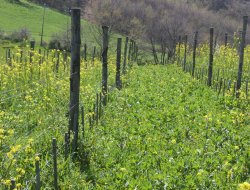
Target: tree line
(161, 22)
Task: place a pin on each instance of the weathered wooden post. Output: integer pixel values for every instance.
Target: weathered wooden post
(226, 39)
(40, 56)
(85, 52)
(220, 85)
(13, 184)
(185, 53)
(32, 47)
(118, 64)
(134, 50)
(211, 57)
(38, 180)
(125, 56)
(194, 51)
(32, 44)
(93, 55)
(57, 61)
(74, 76)
(9, 57)
(54, 149)
(179, 50)
(241, 60)
(129, 51)
(105, 65)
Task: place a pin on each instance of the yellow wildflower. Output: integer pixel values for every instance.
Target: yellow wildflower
(244, 186)
(7, 182)
(18, 185)
(37, 158)
(10, 131)
(173, 141)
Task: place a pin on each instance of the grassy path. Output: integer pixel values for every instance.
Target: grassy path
(165, 130)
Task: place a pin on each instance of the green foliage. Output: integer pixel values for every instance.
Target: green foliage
(28, 15)
(166, 130)
(163, 130)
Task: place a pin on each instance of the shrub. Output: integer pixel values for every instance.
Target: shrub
(60, 41)
(20, 35)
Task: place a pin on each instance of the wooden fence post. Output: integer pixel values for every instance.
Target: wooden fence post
(226, 39)
(32, 47)
(85, 52)
(118, 64)
(9, 57)
(40, 56)
(185, 53)
(241, 60)
(93, 55)
(55, 163)
(105, 65)
(57, 61)
(211, 57)
(194, 51)
(179, 50)
(125, 56)
(75, 76)
(129, 51)
(38, 180)
(134, 50)
(13, 184)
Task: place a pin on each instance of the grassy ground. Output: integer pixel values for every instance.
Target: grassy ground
(165, 130)
(28, 15)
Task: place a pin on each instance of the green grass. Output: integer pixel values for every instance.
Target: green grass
(28, 15)
(166, 130)
(162, 130)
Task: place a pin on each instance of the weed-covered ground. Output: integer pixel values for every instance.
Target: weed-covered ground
(165, 130)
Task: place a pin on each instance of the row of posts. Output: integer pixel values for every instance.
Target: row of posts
(211, 55)
(101, 98)
(130, 54)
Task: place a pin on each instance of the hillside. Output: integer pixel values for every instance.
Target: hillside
(115, 118)
(25, 15)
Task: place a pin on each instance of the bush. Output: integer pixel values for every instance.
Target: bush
(19, 36)
(16, 36)
(60, 41)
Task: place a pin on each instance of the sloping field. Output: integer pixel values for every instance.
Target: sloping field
(15, 16)
(165, 130)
